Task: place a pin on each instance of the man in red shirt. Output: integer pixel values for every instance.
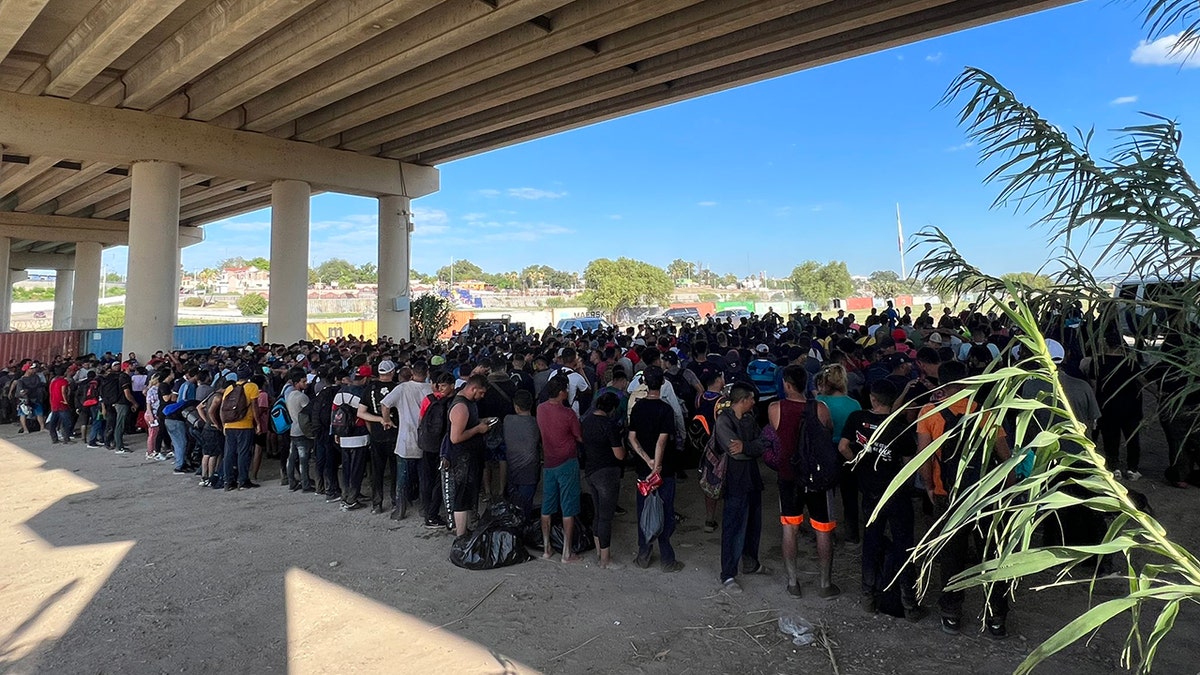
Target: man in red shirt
(60, 423)
(561, 436)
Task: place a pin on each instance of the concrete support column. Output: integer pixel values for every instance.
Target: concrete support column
(6, 292)
(287, 313)
(394, 260)
(64, 285)
(85, 298)
(153, 244)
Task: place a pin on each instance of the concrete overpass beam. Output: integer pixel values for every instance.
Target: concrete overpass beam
(151, 293)
(394, 258)
(64, 290)
(85, 293)
(16, 16)
(287, 313)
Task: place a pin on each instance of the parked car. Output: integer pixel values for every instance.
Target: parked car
(39, 315)
(586, 324)
(676, 315)
(735, 315)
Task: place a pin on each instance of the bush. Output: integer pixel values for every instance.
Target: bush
(252, 304)
(193, 302)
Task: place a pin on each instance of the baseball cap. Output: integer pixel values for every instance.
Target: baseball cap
(244, 373)
(438, 360)
(231, 377)
(364, 371)
(1057, 353)
(762, 349)
(386, 366)
(935, 339)
(639, 342)
(899, 335)
(897, 359)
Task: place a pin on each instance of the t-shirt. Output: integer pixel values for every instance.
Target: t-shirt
(885, 457)
(840, 408)
(650, 418)
(295, 402)
(600, 436)
(522, 438)
(58, 394)
(110, 389)
(560, 433)
(247, 421)
(406, 400)
(373, 399)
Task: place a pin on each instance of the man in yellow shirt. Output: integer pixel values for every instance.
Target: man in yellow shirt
(238, 419)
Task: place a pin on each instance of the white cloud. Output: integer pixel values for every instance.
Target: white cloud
(962, 146)
(706, 204)
(1123, 100)
(489, 193)
(534, 193)
(934, 58)
(1162, 52)
(472, 217)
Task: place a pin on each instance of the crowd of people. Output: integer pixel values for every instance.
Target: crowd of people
(441, 428)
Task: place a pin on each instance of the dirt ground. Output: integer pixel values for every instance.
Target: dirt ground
(114, 565)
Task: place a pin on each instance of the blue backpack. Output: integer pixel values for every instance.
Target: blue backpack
(281, 419)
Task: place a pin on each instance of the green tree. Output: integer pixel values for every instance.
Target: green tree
(1032, 280)
(819, 284)
(252, 304)
(337, 270)
(535, 276)
(729, 279)
(367, 273)
(463, 270)
(429, 317)
(260, 262)
(114, 278)
(680, 270)
(885, 283)
(110, 316)
(616, 284)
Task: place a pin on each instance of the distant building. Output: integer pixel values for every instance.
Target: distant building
(244, 280)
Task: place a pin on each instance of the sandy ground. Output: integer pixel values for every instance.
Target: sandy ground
(114, 565)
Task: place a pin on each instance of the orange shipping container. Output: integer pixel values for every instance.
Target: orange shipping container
(859, 304)
(38, 345)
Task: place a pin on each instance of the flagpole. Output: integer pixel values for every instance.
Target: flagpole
(900, 233)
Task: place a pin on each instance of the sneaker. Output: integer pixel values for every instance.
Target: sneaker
(1132, 475)
(331, 498)
(794, 590)
(673, 567)
(758, 568)
(169, 455)
(181, 472)
(433, 524)
(162, 458)
(94, 446)
(293, 487)
(642, 561)
(951, 626)
(352, 506)
(149, 457)
(996, 629)
(308, 489)
(230, 488)
(205, 482)
(829, 592)
(248, 484)
(710, 526)
(731, 586)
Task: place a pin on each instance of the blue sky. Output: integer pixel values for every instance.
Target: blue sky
(762, 177)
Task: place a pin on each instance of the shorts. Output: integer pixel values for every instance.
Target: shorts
(498, 453)
(30, 410)
(260, 440)
(212, 442)
(467, 475)
(793, 501)
(560, 489)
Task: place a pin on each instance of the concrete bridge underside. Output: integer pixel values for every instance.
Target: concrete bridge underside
(233, 105)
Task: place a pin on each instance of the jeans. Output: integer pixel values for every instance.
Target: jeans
(239, 444)
(328, 460)
(523, 496)
(59, 425)
(118, 425)
(883, 558)
(741, 531)
(1112, 428)
(406, 472)
(667, 493)
(297, 462)
(1183, 444)
(91, 424)
(431, 485)
(177, 430)
(383, 465)
(954, 560)
(605, 484)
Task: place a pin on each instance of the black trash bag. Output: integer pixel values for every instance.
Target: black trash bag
(584, 538)
(495, 542)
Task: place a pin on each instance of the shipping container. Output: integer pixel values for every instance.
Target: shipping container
(332, 330)
(186, 337)
(859, 304)
(38, 345)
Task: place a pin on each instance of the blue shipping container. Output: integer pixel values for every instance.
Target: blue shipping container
(186, 337)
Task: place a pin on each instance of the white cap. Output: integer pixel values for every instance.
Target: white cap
(762, 349)
(1057, 353)
(386, 366)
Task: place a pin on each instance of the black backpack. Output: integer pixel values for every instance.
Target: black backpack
(816, 461)
(435, 424)
(950, 454)
(323, 407)
(344, 421)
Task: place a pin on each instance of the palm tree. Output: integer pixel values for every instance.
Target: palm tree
(1140, 209)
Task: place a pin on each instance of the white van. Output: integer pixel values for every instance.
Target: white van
(1142, 292)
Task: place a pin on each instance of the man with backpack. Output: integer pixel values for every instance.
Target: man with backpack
(351, 436)
(431, 431)
(328, 457)
(381, 428)
(301, 431)
(239, 416)
(212, 439)
(739, 438)
(807, 467)
(939, 475)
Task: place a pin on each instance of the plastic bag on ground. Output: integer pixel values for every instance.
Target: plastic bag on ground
(651, 517)
(495, 542)
(583, 537)
(799, 629)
